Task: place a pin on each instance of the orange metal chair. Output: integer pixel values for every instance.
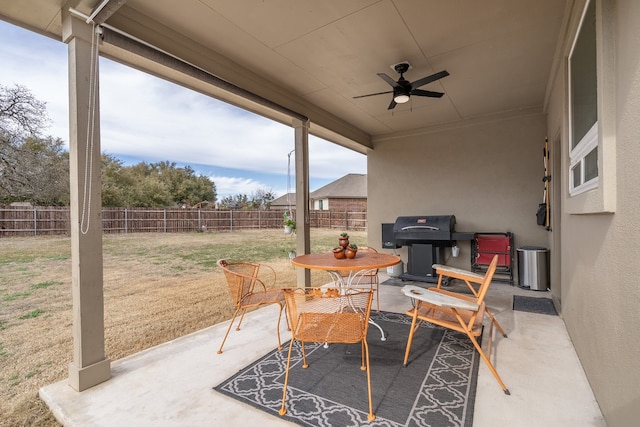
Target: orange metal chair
(459, 312)
(328, 315)
(247, 291)
(368, 279)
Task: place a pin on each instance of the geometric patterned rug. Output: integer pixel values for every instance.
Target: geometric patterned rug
(437, 388)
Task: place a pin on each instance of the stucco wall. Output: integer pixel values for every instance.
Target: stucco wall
(487, 174)
(600, 255)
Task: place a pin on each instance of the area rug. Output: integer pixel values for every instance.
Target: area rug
(437, 388)
(534, 305)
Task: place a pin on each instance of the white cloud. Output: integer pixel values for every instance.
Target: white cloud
(146, 118)
(229, 186)
(40, 64)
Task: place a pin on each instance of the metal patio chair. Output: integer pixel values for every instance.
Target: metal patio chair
(248, 291)
(367, 280)
(328, 315)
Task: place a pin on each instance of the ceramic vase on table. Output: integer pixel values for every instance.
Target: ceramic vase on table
(350, 252)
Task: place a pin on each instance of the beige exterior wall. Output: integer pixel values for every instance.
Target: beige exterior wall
(599, 250)
(488, 174)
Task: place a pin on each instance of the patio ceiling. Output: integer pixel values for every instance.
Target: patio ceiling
(313, 57)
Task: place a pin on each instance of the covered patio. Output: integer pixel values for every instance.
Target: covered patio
(172, 384)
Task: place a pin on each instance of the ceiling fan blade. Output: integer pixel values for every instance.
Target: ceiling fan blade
(430, 94)
(372, 94)
(432, 78)
(388, 79)
(392, 105)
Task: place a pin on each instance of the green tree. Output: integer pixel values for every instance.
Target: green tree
(33, 168)
(261, 198)
(185, 186)
(161, 184)
(119, 186)
(48, 171)
(239, 201)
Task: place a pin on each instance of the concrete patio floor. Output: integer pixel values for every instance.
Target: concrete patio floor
(172, 384)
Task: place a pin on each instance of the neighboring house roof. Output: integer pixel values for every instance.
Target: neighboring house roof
(351, 186)
(283, 201)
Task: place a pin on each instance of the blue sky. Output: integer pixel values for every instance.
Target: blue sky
(144, 118)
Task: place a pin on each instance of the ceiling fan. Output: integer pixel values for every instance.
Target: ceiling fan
(403, 89)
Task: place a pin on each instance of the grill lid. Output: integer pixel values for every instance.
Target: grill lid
(416, 229)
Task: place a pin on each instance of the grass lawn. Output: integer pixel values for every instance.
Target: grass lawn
(157, 287)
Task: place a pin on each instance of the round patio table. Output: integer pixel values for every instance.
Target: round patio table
(362, 263)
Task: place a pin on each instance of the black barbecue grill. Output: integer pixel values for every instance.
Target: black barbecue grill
(409, 230)
(425, 237)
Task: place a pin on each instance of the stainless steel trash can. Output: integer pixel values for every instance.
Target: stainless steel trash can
(533, 268)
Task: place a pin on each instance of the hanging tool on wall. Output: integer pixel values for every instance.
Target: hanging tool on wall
(544, 209)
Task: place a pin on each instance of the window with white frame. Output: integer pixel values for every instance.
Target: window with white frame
(583, 106)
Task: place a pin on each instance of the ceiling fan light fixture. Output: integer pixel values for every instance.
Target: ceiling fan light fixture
(401, 98)
(403, 89)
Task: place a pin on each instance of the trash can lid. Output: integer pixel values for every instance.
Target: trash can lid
(532, 248)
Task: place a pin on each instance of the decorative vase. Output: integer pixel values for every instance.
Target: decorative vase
(350, 252)
(339, 252)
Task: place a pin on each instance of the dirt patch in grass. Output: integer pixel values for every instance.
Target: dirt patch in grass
(157, 287)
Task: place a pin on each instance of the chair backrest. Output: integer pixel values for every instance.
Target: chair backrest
(241, 277)
(484, 287)
(367, 249)
(331, 312)
(372, 250)
(368, 274)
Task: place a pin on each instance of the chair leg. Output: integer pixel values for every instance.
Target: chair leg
(244, 311)
(488, 363)
(286, 315)
(378, 295)
(305, 365)
(411, 332)
(228, 330)
(283, 409)
(278, 327)
(371, 415)
(479, 348)
(495, 322)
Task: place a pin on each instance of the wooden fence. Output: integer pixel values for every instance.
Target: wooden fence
(35, 221)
